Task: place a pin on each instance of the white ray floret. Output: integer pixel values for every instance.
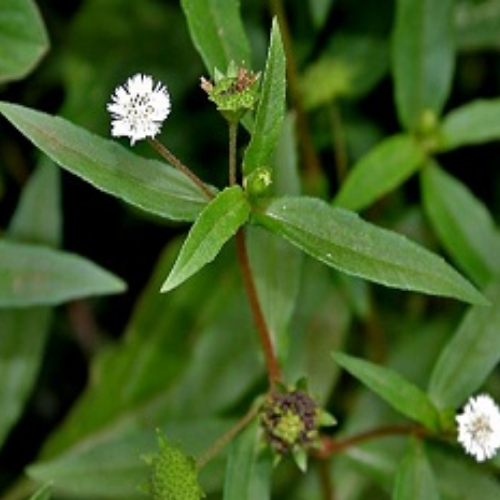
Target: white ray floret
(479, 427)
(139, 108)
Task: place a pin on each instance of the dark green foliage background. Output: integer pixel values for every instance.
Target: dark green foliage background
(113, 368)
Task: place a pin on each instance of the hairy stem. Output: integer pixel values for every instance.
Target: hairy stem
(273, 369)
(225, 439)
(176, 163)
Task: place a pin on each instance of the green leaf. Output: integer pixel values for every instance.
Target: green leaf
(344, 241)
(33, 275)
(23, 38)
(248, 472)
(470, 355)
(350, 68)
(111, 469)
(423, 58)
(402, 395)
(167, 357)
(414, 478)
(217, 32)
(110, 466)
(38, 217)
(464, 226)
(216, 225)
(477, 25)
(24, 331)
(383, 169)
(150, 185)
(271, 107)
(319, 10)
(473, 123)
(459, 478)
(43, 493)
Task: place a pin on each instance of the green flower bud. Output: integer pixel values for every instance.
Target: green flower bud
(173, 475)
(258, 182)
(234, 93)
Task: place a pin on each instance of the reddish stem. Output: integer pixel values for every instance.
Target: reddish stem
(273, 369)
(331, 446)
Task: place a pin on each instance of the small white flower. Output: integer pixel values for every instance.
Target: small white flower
(139, 108)
(479, 427)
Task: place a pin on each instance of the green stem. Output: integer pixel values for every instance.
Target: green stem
(225, 439)
(233, 132)
(273, 369)
(176, 163)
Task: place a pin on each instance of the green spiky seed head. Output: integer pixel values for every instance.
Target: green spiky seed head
(173, 474)
(234, 92)
(291, 420)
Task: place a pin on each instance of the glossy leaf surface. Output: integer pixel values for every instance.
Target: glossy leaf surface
(402, 395)
(150, 185)
(464, 226)
(342, 240)
(383, 169)
(215, 226)
(270, 108)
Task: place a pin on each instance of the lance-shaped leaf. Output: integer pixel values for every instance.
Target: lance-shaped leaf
(23, 38)
(463, 224)
(383, 169)
(473, 123)
(23, 332)
(415, 479)
(470, 355)
(271, 107)
(217, 32)
(32, 275)
(341, 239)
(423, 58)
(248, 472)
(401, 394)
(150, 185)
(217, 223)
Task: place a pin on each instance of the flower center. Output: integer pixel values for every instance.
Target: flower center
(140, 108)
(480, 429)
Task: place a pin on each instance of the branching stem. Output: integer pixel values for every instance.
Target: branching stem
(225, 439)
(331, 446)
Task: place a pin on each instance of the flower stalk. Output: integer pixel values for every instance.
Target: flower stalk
(176, 163)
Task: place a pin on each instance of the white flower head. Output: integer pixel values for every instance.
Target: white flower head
(479, 427)
(139, 108)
